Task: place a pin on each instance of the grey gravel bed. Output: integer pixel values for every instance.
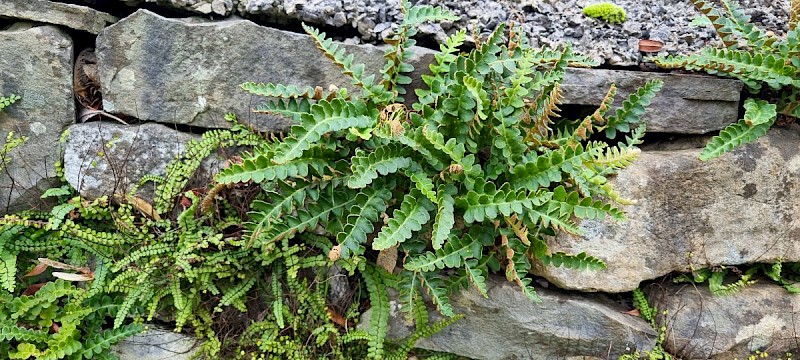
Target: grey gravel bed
(547, 22)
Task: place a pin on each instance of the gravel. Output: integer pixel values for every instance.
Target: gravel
(547, 22)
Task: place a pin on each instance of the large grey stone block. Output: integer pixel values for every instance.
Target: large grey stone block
(72, 16)
(188, 72)
(737, 209)
(687, 104)
(35, 63)
(508, 325)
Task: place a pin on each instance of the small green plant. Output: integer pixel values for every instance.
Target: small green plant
(769, 65)
(59, 321)
(649, 314)
(6, 101)
(608, 12)
(787, 275)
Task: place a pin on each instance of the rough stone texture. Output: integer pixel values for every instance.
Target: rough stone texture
(188, 72)
(72, 16)
(509, 326)
(102, 158)
(157, 344)
(737, 209)
(36, 64)
(761, 317)
(687, 104)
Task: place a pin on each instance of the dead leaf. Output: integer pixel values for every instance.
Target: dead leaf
(387, 258)
(63, 266)
(73, 276)
(33, 289)
(144, 207)
(634, 312)
(336, 317)
(38, 269)
(335, 253)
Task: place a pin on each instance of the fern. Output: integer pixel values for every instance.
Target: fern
(629, 115)
(758, 118)
(413, 213)
(6, 101)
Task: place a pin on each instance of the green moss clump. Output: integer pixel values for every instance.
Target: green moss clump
(609, 12)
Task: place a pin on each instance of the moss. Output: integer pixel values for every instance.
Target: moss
(606, 11)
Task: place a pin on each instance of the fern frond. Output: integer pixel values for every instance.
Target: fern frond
(326, 116)
(581, 261)
(279, 90)
(412, 214)
(758, 117)
(261, 168)
(6, 101)
(452, 255)
(548, 167)
(360, 222)
(632, 109)
(419, 14)
(435, 286)
(384, 160)
(97, 344)
(379, 321)
(487, 202)
(291, 108)
(445, 216)
(8, 270)
(333, 51)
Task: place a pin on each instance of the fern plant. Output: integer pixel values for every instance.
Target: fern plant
(475, 177)
(58, 321)
(765, 62)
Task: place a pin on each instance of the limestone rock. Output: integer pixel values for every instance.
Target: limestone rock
(157, 344)
(737, 209)
(702, 326)
(189, 72)
(72, 16)
(36, 64)
(102, 158)
(687, 104)
(508, 325)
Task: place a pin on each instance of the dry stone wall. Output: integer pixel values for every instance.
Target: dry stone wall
(173, 77)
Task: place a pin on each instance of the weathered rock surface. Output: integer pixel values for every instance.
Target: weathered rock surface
(702, 326)
(157, 344)
(102, 158)
(687, 104)
(72, 16)
(509, 326)
(737, 209)
(36, 64)
(189, 72)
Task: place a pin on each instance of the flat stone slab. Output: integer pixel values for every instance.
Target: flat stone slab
(737, 209)
(186, 71)
(157, 344)
(761, 317)
(507, 325)
(687, 104)
(36, 64)
(103, 158)
(72, 16)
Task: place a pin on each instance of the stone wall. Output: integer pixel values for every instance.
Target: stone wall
(170, 76)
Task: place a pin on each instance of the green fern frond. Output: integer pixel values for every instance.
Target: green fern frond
(445, 216)
(419, 14)
(326, 116)
(647, 312)
(261, 168)
(379, 321)
(486, 202)
(291, 108)
(581, 261)
(452, 255)
(412, 214)
(99, 344)
(385, 160)
(758, 118)
(632, 109)
(436, 288)
(333, 51)
(548, 167)
(360, 222)
(8, 270)
(279, 90)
